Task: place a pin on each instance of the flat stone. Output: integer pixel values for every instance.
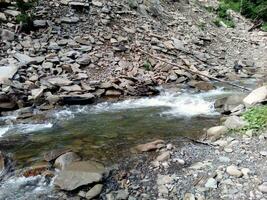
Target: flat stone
(13, 13)
(72, 88)
(52, 155)
(39, 23)
(59, 81)
(24, 59)
(70, 20)
(148, 146)
(37, 93)
(113, 93)
(78, 174)
(233, 171)
(8, 72)
(94, 191)
(256, 96)
(163, 156)
(65, 159)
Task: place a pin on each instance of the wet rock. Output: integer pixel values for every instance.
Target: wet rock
(7, 103)
(37, 93)
(233, 171)
(234, 122)
(7, 35)
(202, 85)
(76, 99)
(64, 160)
(94, 191)
(216, 132)
(163, 156)
(263, 187)
(227, 104)
(2, 162)
(148, 146)
(256, 96)
(35, 170)
(78, 174)
(52, 155)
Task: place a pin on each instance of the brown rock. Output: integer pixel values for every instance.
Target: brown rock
(148, 146)
(54, 154)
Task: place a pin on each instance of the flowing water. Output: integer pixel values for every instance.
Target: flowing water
(105, 131)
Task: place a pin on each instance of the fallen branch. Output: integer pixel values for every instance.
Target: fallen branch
(194, 72)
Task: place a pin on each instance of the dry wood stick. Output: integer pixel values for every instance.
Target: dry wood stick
(194, 72)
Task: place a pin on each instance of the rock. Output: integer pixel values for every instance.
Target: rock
(234, 122)
(2, 162)
(263, 187)
(7, 72)
(70, 20)
(227, 104)
(148, 146)
(79, 174)
(122, 195)
(13, 13)
(35, 170)
(113, 93)
(216, 132)
(84, 60)
(163, 156)
(211, 183)
(7, 35)
(233, 171)
(202, 85)
(54, 154)
(2, 17)
(7, 103)
(72, 88)
(39, 23)
(245, 171)
(24, 59)
(65, 159)
(37, 93)
(189, 196)
(76, 99)
(58, 81)
(94, 191)
(97, 3)
(263, 153)
(256, 96)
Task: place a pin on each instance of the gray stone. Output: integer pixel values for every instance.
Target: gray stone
(64, 160)
(7, 35)
(7, 72)
(37, 93)
(216, 132)
(58, 81)
(163, 156)
(2, 17)
(13, 13)
(39, 23)
(256, 96)
(69, 20)
(234, 122)
(78, 174)
(72, 88)
(263, 187)
(94, 191)
(24, 59)
(84, 60)
(211, 183)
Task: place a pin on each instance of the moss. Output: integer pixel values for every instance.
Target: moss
(147, 65)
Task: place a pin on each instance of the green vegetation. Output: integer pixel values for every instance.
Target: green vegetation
(253, 9)
(26, 16)
(256, 117)
(223, 16)
(147, 65)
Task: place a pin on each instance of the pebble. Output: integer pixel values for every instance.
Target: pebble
(233, 171)
(263, 187)
(211, 183)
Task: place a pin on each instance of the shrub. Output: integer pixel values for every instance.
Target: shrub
(256, 117)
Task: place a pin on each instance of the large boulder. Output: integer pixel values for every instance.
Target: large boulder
(234, 122)
(226, 104)
(256, 96)
(64, 160)
(79, 174)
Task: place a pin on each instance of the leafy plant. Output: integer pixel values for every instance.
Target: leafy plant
(224, 17)
(147, 65)
(256, 117)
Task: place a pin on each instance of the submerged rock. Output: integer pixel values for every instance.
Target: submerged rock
(78, 174)
(64, 160)
(54, 154)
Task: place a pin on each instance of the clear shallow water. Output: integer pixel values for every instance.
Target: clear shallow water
(107, 131)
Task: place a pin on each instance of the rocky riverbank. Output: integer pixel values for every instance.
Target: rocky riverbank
(76, 55)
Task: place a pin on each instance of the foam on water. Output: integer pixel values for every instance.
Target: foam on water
(21, 188)
(175, 104)
(24, 128)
